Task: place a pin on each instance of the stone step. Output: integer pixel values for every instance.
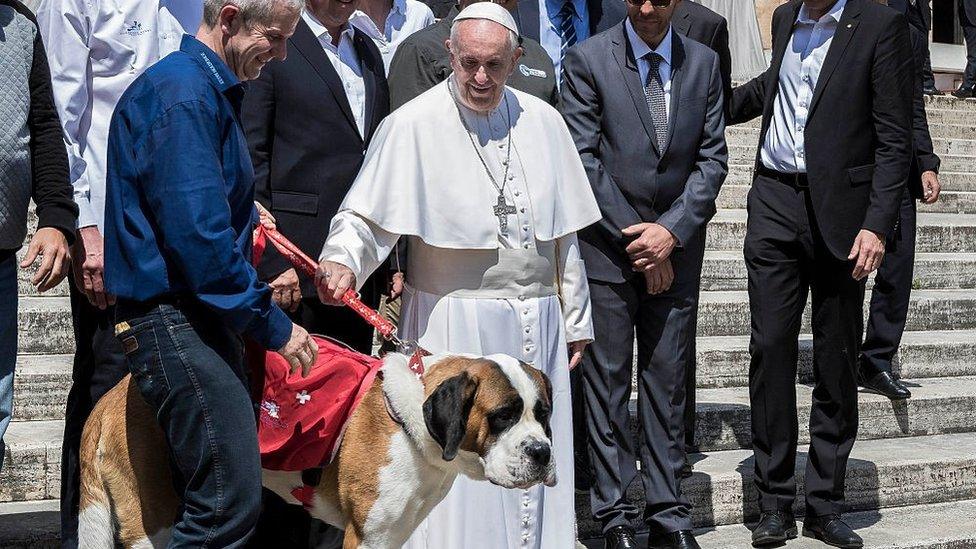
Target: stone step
(937, 232)
(734, 197)
(938, 406)
(727, 271)
(44, 325)
(963, 181)
(941, 144)
(723, 361)
(41, 385)
(32, 469)
(880, 474)
(727, 312)
(30, 525)
(933, 526)
(743, 154)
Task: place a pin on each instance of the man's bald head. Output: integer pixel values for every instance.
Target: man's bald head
(483, 56)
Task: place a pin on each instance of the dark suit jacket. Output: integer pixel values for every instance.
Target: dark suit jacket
(603, 15)
(633, 178)
(303, 139)
(858, 132)
(704, 25)
(967, 11)
(914, 11)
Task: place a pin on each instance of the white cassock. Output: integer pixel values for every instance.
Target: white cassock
(473, 288)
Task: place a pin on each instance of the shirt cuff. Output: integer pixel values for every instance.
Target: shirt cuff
(86, 214)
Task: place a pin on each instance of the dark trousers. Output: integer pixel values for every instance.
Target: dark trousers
(98, 366)
(664, 331)
(190, 369)
(969, 32)
(785, 257)
(890, 295)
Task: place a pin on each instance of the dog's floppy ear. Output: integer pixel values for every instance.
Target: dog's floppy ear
(446, 412)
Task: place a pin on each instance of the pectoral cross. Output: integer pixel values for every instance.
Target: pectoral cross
(502, 211)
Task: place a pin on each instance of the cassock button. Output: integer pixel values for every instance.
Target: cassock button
(522, 210)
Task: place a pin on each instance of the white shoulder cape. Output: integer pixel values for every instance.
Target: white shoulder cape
(422, 177)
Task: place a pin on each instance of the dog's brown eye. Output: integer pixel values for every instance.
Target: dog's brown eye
(505, 417)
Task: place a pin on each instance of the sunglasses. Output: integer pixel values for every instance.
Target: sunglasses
(655, 3)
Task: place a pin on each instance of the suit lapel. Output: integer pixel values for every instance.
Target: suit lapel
(677, 74)
(624, 56)
(368, 65)
(683, 23)
(308, 45)
(842, 38)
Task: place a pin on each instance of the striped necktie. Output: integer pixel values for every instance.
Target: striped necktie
(567, 29)
(656, 102)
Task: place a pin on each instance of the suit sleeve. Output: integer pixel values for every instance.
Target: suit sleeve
(720, 43)
(924, 150)
(892, 76)
(696, 205)
(411, 74)
(582, 109)
(258, 118)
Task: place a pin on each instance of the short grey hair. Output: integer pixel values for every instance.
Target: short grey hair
(253, 10)
(513, 39)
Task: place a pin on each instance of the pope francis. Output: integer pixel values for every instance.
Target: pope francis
(485, 184)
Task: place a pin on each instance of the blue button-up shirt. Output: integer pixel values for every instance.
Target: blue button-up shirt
(179, 207)
(550, 23)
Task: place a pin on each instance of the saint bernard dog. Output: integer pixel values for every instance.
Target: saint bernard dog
(484, 417)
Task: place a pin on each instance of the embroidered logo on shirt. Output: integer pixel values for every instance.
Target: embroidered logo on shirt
(527, 71)
(134, 29)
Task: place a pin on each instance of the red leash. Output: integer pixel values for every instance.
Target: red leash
(307, 265)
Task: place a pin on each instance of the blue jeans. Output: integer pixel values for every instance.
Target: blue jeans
(8, 340)
(190, 369)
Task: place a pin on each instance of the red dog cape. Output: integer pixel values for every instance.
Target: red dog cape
(301, 420)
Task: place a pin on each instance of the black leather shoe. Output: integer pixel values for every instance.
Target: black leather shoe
(885, 384)
(964, 93)
(682, 539)
(686, 469)
(832, 531)
(933, 91)
(620, 537)
(774, 528)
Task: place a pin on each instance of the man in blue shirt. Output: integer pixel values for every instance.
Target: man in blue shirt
(178, 221)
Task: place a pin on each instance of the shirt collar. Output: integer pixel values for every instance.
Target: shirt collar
(220, 74)
(641, 48)
(835, 13)
(319, 30)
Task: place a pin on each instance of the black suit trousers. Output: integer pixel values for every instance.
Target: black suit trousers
(969, 32)
(785, 258)
(665, 332)
(891, 294)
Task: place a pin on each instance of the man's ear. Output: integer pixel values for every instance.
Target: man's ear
(230, 19)
(446, 412)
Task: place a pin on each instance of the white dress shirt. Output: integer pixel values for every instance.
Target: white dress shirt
(346, 62)
(405, 18)
(641, 49)
(96, 48)
(549, 36)
(784, 149)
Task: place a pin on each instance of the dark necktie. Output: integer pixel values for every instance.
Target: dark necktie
(656, 102)
(567, 29)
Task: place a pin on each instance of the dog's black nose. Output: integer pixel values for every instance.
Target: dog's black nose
(539, 452)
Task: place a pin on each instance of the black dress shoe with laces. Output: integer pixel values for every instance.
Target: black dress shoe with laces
(885, 384)
(682, 539)
(774, 528)
(964, 93)
(620, 537)
(832, 531)
(932, 91)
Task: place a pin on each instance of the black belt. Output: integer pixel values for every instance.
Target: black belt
(795, 180)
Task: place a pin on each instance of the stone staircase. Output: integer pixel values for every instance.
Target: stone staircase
(911, 482)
